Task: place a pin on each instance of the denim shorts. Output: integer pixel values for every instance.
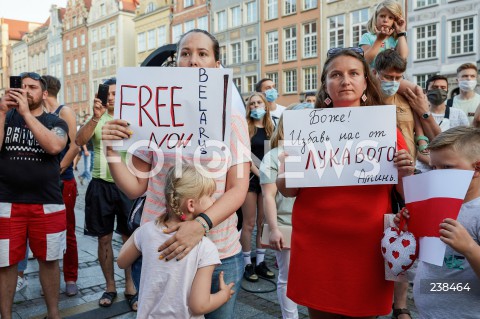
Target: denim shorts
(233, 268)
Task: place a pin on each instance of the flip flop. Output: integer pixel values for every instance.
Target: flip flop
(132, 299)
(110, 296)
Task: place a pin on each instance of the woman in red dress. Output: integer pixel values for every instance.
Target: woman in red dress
(336, 267)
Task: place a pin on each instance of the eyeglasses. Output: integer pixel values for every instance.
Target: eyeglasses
(35, 76)
(334, 51)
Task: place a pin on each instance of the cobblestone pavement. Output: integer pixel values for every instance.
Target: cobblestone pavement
(30, 304)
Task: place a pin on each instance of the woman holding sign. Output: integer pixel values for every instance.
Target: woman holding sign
(336, 266)
(196, 48)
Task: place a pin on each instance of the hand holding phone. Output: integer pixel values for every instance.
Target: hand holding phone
(15, 82)
(103, 94)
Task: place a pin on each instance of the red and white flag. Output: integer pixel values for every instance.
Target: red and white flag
(433, 196)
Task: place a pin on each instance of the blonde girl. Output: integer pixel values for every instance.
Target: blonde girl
(260, 129)
(181, 288)
(386, 30)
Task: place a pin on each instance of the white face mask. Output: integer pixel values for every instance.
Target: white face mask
(467, 85)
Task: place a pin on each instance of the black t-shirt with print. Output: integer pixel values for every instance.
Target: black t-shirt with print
(27, 173)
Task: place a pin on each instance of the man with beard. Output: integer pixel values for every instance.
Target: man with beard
(31, 204)
(104, 201)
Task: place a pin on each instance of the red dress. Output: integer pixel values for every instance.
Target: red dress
(336, 264)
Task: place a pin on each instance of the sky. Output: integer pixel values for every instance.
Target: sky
(28, 10)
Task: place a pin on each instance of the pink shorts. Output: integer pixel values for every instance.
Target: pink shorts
(43, 224)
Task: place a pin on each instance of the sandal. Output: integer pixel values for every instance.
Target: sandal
(132, 300)
(400, 311)
(110, 296)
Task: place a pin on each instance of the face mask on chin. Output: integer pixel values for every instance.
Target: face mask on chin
(467, 85)
(436, 96)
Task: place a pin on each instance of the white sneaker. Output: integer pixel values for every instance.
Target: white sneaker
(22, 283)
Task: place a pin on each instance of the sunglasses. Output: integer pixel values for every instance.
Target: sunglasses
(35, 76)
(334, 51)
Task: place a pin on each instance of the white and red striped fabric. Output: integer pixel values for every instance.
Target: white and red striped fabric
(433, 196)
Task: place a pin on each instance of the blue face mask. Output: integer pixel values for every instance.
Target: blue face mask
(257, 113)
(389, 87)
(271, 95)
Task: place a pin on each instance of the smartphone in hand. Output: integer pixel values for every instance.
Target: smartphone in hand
(103, 94)
(15, 82)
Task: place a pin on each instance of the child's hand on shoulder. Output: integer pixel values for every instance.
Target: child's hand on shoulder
(456, 236)
(226, 290)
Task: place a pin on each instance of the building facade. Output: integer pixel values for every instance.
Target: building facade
(235, 24)
(55, 51)
(152, 27)
(188, 15)
(111, 32)
(442, 35)
(291, 43)
(37, 44)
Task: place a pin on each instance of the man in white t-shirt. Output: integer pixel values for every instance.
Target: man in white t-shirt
(268, 87)
(468, 100)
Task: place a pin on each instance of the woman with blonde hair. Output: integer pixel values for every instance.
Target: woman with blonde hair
(260, 129)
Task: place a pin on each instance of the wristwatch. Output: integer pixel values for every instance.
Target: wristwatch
(426, 115)
(401, 34)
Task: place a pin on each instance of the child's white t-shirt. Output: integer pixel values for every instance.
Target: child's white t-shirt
(165, 286)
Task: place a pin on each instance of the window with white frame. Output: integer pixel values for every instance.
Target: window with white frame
(103, 32)
(425, 3)
(272, 47)
(251, 81)
(462, 36)
(95, 60)
(113, 56)
(290, 77)
(82, 39)
(421, 79)
(202, 23)
(75, 42)
(84, 92)
(236, 15)
(75, 93)
(188, 25)
(238, 83)
(251, 12)
(309, 4)
(223, 55)
(272, 9)
(290, 36)
(51, 50)
(103, 10)
(94, 35)
(83, 66)
(141, 41)
(151, 39)
(359, 19)
(103, 57)
(236, 53)
(336, 31)
(221, 20)
(67, 45)
(310, 40)
(69, 94)
(162, 35)
(150, 7)
(310, 78)
(289, 7)
(112, 29)
(252, 50)
(188, 3)
(274, 77)
(68, 68)
(75, 66)
(58, 47)
(426, 41)
(51, 70)
(176, 32)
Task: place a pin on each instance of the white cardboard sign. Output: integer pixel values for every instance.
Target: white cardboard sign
(340, 146)
(174, 108)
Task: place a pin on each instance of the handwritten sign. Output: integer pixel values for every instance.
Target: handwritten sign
(174, 109)
(340, 146)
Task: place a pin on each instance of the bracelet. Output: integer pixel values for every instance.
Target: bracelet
(205, 227)
(401, 34)
(422, 138)
(207, 220)
(93, 119)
